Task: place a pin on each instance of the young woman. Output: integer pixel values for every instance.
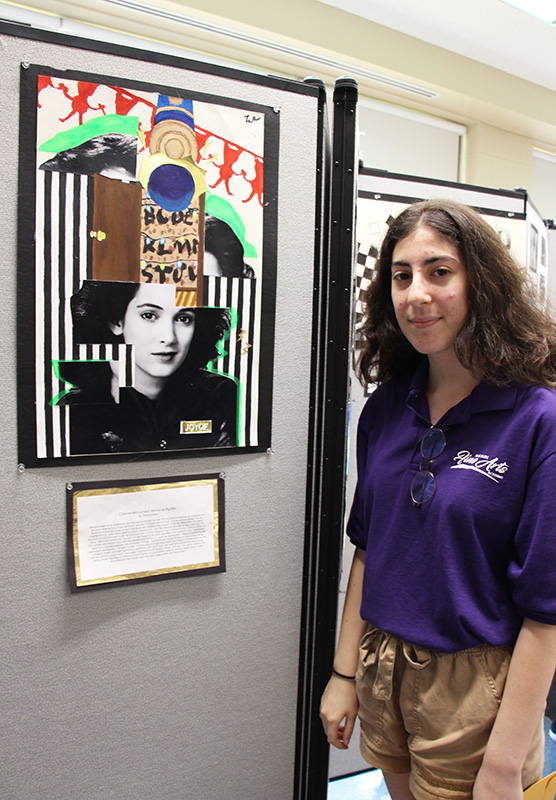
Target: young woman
(172, 388)
(449, 622)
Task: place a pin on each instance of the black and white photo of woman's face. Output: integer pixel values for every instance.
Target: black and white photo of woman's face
(160, 331)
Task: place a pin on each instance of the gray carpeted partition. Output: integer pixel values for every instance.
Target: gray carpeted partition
(177, 689)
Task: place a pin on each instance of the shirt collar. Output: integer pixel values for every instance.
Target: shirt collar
(484, 397)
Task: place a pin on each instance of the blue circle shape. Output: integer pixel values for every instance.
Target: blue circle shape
(171, 187)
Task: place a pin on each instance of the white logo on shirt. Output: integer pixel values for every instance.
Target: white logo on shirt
(490, 467)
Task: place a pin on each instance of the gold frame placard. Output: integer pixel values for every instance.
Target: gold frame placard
(126, 532)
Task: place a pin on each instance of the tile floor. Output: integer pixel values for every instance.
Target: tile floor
(370, 786)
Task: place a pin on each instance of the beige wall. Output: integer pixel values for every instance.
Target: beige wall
(543, 192)
(497, 158)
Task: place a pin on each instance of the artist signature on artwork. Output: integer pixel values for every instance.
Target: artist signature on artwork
(485, 465)
(251, 118)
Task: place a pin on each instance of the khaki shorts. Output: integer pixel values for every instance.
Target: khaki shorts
(430, 713)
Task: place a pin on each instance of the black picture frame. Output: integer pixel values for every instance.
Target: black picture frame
(129, 522)
(39, 441)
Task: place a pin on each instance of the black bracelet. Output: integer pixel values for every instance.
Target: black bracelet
(345, 677)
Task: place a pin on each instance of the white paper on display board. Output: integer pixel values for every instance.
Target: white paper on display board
(145, 531)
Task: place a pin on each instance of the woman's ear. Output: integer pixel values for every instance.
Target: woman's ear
(117, 328)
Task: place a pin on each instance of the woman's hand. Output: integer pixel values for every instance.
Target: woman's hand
(502, 784)
(338, 711)
(339, 704)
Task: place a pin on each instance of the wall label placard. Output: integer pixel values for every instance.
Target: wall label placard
(124, 532)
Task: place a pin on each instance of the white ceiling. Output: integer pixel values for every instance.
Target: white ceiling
(489, 31)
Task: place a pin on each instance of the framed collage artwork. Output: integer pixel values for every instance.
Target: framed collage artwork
(147, 269)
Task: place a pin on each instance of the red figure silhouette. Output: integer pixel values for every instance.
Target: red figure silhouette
(257, 182)
(201, 135)
(80, 102)
(42, 83)
(231, 154)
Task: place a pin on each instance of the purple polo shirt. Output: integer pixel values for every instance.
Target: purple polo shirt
(467, 566)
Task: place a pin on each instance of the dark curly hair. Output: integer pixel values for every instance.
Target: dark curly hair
(98, 303)
(507, 337)
(226, 247)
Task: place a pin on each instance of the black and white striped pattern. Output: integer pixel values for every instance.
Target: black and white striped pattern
(64, 206)
(241, 362)
(122, 353)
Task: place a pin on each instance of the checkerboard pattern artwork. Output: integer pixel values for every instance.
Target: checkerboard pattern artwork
(364, 266)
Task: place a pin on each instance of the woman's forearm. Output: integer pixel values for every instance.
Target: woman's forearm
(339, 703)
(352, 627)
(530, 674)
